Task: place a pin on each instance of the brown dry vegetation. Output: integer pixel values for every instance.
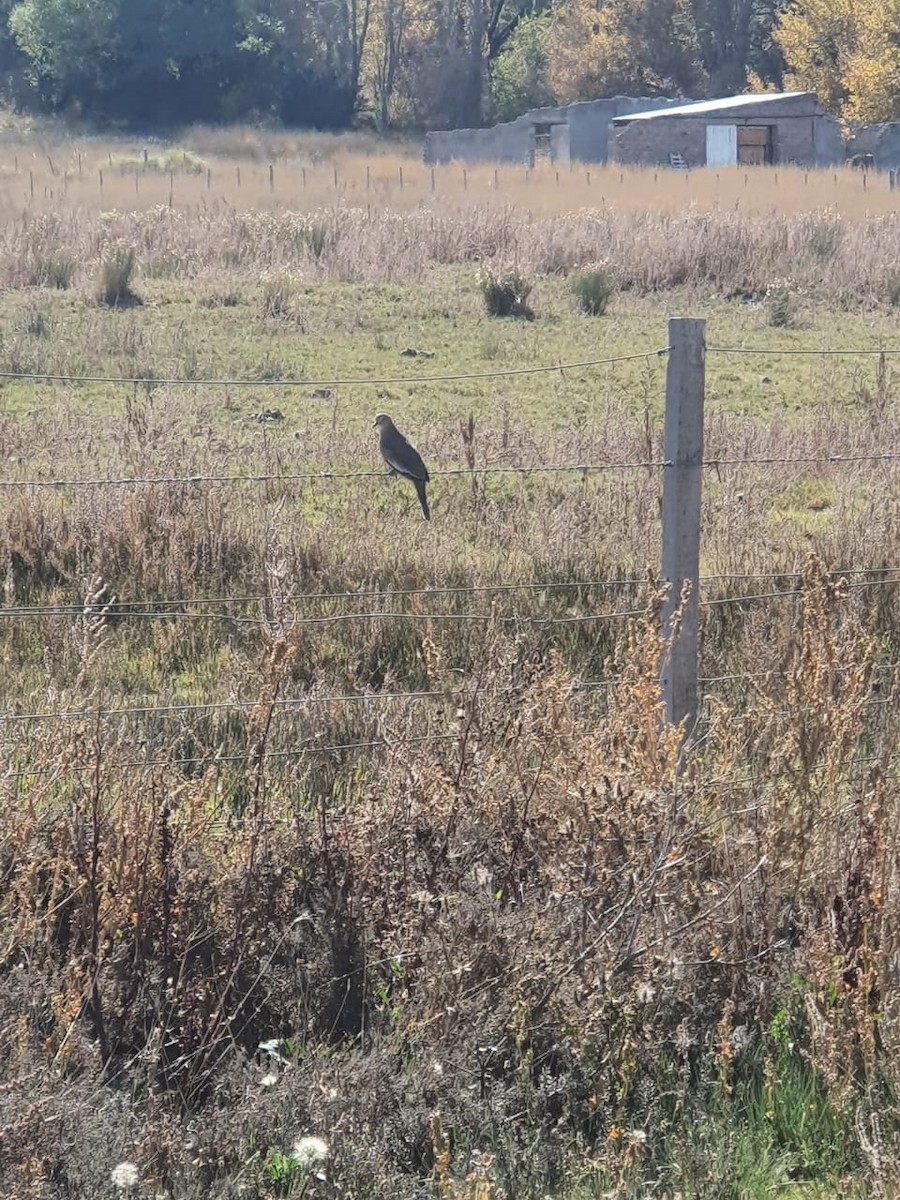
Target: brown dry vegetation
(283, 762)
(247, 169)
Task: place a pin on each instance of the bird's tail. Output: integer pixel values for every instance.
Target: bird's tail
(420, 492)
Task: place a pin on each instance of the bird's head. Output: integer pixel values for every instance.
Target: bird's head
(382, 421)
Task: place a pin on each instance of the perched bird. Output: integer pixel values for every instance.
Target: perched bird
(402, 458)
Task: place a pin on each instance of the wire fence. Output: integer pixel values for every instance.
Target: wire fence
(421, 380)
(591, 468)
(293, 608)
(361, 381)
(258, 758)
(181, 609)
(835, 458)
(309, 701)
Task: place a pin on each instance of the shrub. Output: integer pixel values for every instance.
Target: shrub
(35, 322)
(780, 298)
(115, 278)
(505, 295)
(53, 271)
(316, 238)
(277, 298)
(780, 309)
(593, 289)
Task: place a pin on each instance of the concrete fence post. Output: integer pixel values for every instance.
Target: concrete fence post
(682, 479)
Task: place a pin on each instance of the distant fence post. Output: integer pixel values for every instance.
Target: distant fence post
(683, 451)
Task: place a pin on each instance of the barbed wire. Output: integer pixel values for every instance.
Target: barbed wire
(109, 610)
(280, 703)
(456, 696)
(502, 373)
(318, 476)
(127, 607)
(376, 615)
(806, 352)
(804, 459)
(225, 480)
(151, 381)
(113, 607)
(257, 757)
(777, 595)
(249, 756)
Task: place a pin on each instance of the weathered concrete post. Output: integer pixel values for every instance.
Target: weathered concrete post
(683, 454)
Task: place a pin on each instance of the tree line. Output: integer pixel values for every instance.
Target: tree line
(419, 64)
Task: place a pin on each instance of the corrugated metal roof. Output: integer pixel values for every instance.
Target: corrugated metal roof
(699, 107)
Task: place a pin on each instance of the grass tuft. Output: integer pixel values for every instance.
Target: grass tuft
(593, 288)
(277, 298)
(116, 274)
(506, 294)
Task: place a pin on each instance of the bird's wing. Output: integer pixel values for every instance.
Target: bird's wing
(403, 458)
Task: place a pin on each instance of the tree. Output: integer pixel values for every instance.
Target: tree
(848, 52)
(156, 61)
(313, 52)
(519, 77)
(390, 23)
(635, 47)
(70, 44)
(734, 39)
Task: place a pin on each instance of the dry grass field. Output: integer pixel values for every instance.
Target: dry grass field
(244, 169)
(321, 822)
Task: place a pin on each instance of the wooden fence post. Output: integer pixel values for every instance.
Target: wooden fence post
(683, 454)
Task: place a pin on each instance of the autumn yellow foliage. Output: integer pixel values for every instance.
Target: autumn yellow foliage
(848, 52)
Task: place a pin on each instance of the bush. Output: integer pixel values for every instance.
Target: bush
(593, 289)
(781, 308)
(316, 238)
(276, 301)
(115, 279)
(53, 271)
(505, 295)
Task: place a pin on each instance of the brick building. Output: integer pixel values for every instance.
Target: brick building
(758, 129)
(573, 133)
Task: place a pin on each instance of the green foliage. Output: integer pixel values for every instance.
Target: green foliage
(505, 295)
(593, 289)
(781, 305)
(163, 62)
(169, 61)
(70, 46)
(115, 278)
(519, 76)
(283, 1172)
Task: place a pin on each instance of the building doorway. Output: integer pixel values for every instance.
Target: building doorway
(755, 145)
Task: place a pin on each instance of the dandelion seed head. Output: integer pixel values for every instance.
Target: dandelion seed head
(125, 1175)
(310, 1151)
(645, 992)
